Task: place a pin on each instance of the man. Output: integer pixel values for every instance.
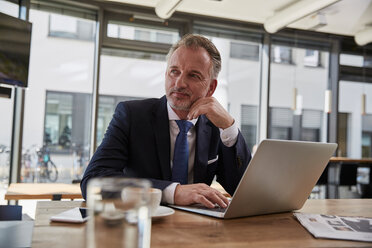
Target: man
(144, 139)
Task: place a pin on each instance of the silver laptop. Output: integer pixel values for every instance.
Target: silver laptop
(279, 178)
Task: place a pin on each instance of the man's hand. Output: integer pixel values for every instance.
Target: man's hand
(199, 193)
(214, 111)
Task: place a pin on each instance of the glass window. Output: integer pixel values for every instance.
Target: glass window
(57, 113)
(131, 31)
(297, 96)
(312, 58)
(249, 124)
(355, 125)
(61, 118)
(311, 125)
(282, 54)
(366, 144)
(239, 83)
(71, 27)
(57, 127)
(351, 60)
(342, 132)
(367, 61)
(6, 113)
(127, 75)
(106, 109)
(281, 120)
(245, 51)
(367, 136)
(162, 37)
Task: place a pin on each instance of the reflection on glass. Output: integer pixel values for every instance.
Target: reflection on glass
(106, 109)
(293, 68)
(58, 102)
(6, 113)
(355, 128)
(312, 58)
(127, 75)
(71, 27)
(238, 83)
(248, 125)
(131, 31)
(282, 54)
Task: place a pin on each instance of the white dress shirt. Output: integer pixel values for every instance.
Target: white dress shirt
(228, 137)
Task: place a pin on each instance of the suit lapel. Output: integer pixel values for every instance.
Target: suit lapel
(203, 135)
(160, 122)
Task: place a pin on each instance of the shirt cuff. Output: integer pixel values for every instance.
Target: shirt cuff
(229, 136)
(168, 193)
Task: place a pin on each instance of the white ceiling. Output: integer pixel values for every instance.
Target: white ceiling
(345, 17)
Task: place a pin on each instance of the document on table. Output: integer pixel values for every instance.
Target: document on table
(337, 227)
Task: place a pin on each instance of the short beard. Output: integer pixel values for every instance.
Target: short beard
(182, 108)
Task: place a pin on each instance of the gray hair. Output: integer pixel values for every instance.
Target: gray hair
(195, 41)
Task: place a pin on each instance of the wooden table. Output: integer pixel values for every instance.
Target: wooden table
(334, 170)
(53, 191)
(185, 229)
(351, 160)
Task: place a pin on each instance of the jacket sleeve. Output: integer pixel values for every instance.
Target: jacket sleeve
(112, 156)
(233, 162)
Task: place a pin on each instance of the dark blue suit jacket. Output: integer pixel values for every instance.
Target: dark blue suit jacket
(137, 144)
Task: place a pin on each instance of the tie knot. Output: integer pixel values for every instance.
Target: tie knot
(184, 125)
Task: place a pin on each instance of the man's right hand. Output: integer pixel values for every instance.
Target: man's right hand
(199, 193)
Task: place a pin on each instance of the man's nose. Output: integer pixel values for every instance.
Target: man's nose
(181, 81)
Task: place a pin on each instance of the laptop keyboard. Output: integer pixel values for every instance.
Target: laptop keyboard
(216, 209)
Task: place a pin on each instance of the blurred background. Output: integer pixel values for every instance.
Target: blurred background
(292, 70)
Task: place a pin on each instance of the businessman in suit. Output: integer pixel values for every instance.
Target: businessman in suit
(181, 141)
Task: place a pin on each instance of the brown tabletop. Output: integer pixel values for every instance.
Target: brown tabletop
(53, 191)
(185, 229)
(351, 160)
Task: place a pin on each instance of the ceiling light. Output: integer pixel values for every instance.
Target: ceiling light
(165, 8)
(364, 112)
(364, 37)
(316, 21)
(295, 12)
(328, 102)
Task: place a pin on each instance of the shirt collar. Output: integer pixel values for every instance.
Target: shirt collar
(173, 116)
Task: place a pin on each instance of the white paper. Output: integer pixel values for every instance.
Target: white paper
(337, 227)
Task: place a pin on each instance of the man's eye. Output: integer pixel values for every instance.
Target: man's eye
(196, 76)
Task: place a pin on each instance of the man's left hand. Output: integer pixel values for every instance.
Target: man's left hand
(210, 107)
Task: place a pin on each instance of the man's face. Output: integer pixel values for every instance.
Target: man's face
(188, 78)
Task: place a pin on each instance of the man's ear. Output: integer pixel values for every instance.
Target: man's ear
(212, 87)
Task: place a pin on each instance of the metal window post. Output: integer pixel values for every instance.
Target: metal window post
(333, 83)
(18, 110)
(95, 93)
(264, 89)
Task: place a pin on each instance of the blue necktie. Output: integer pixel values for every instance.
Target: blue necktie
(181, 153)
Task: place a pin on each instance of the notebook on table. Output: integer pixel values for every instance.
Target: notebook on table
(279, 178)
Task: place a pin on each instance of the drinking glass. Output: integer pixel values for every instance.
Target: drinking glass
(119, 213)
